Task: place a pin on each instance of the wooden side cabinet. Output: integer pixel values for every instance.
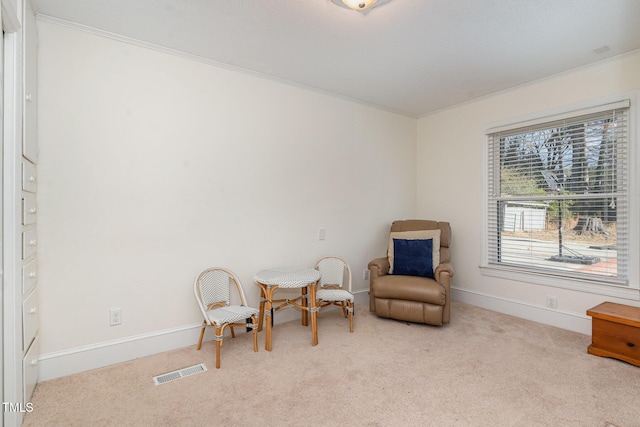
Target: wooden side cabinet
(615, 332)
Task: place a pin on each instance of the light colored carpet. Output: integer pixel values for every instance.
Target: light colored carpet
(484, 369)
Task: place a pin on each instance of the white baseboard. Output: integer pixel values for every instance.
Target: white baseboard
(80, 359)
(576, 322)
(361, 297)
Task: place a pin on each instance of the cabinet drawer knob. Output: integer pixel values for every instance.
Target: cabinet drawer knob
(28, 97)
(33, 310)
(34, 362)
(32, 242)
(32, 275)
(32, 179)
(630, 344)
(32, 210)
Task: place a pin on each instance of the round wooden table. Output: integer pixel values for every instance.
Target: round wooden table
(287, 278)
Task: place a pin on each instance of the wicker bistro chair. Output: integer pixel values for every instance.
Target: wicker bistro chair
(212, 289)
(331, 290)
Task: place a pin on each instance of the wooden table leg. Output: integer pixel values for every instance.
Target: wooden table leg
(269, 326)
(261, 315)
(304, 302)
(314, 314)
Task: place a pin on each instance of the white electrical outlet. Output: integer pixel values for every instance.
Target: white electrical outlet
(365, 274)
(552, 301)
(321, 233)
(115, 316)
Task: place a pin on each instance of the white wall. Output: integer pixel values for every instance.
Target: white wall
(450, 163)
(153, 167)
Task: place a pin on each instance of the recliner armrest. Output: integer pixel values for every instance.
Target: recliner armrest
(442, 268)
(379, 267)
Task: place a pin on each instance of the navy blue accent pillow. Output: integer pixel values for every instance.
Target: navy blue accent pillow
(413, 257)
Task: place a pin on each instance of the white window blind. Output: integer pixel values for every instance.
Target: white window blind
(558, 195)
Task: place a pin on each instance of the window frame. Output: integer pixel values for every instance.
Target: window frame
(631, 290)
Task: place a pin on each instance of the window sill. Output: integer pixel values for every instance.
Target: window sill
(599, 288)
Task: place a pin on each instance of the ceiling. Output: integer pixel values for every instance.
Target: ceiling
(412, 57)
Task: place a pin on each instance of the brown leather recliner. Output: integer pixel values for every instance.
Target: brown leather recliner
(412, 298)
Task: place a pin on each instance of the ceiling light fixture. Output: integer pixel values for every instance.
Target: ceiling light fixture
(362, 6)
(359, 4)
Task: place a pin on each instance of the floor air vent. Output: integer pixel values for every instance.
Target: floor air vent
(176, 375)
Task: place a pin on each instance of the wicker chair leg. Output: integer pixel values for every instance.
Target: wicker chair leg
(350, 316)
(255, 334)
(218, 345)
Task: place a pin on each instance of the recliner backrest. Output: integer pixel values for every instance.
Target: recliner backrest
(423, 224)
